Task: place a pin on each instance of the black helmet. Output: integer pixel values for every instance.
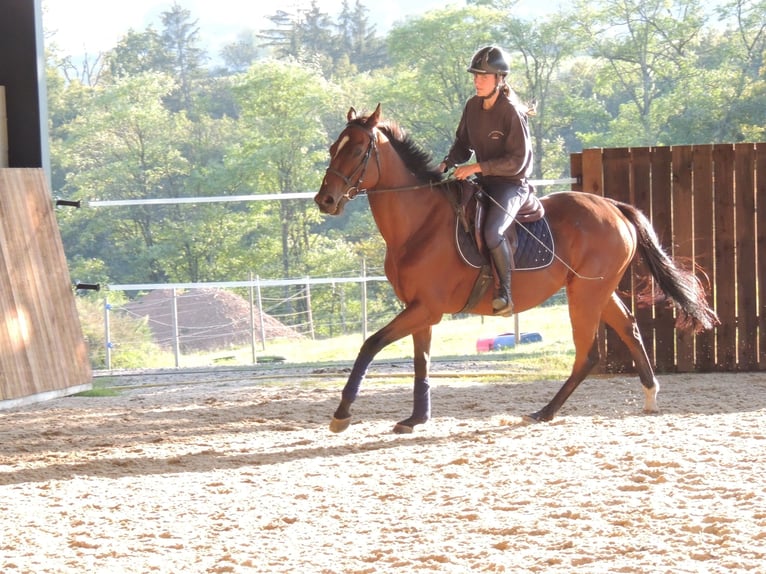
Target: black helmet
(489, 60)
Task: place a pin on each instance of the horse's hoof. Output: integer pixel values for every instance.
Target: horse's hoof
(339, 425)
(401, 428)
(530, 419)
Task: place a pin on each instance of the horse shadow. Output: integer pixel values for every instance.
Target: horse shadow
(297, 418)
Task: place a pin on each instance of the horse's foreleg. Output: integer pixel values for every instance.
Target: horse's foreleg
(412, 319)
(342, 416)
(421, 393)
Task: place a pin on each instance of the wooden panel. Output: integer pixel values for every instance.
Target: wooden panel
(707, 205)
(726, 271)
(662, 219)
(704, 246)
(683, 240)
(592, 171)
(617, 186)
(575, 170)
(42, 349)
(760, 199)
(642, 199)
(593, 182)
(747, 304)
(3, 130)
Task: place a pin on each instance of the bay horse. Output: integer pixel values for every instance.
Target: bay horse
(596, 240)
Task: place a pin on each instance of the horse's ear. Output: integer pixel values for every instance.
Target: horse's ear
(372, 121)
(351, 115)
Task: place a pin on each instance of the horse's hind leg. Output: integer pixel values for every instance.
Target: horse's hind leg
(619, 318)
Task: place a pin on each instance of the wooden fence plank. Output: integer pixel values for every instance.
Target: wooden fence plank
(745, 229)
(760, 200)
(662, 219)
(726, 271)
(683, 239)
(575, 170)
(704, 247)
(593, 171)
(642, 199)
(593, 182)
(617, 186)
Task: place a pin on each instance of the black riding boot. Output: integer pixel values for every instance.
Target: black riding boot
(501, 257)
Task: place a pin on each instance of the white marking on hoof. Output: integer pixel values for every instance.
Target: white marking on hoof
(650, 398)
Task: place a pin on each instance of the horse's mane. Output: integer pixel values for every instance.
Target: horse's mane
(419, 161)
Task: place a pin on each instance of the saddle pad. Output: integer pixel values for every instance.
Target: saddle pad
(534, 250)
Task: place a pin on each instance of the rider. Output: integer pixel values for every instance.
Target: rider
(494, 128)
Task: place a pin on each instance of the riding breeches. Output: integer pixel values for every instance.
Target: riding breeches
(505, 200)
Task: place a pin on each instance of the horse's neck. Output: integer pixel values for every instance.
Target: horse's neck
(403, 208)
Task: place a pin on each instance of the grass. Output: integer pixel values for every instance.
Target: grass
(101, 388)
(453, 339)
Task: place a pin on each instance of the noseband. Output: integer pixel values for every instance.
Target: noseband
(352, 189)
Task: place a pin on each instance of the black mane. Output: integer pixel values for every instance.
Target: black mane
(419, 161)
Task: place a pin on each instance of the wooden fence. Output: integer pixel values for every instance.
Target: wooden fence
(704, 203)
(43, 354)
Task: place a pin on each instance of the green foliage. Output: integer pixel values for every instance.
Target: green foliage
(131, 338)
(151, 120)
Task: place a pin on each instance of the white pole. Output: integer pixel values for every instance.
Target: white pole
(364, 299)
(107, 335)
(176, 336)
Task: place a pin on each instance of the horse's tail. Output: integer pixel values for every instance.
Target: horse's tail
(679, 285)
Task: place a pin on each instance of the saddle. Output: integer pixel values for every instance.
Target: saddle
(530, 235)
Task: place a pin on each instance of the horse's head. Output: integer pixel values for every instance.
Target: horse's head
(350, 170)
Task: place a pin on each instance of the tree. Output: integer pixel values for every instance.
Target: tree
(137, 53)
(647, 47)
(127, 145)
(283, 151)
(183, 58)
(538, 50)
(428, 84)
(240, 55)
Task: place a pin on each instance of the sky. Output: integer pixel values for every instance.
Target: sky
(80, 27)
(92, 26)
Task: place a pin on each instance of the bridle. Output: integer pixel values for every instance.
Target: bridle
(352, 189)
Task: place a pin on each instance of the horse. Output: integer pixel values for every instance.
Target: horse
(596, 239)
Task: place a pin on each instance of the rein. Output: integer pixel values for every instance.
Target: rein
(353, 189)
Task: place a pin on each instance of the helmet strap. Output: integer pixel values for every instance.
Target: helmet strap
(498, 83)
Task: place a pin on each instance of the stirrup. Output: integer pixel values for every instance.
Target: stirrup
(502, 305)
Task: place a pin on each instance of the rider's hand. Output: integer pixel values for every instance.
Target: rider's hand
(466, 171)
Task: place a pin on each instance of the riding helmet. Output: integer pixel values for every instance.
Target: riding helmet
(489, 60)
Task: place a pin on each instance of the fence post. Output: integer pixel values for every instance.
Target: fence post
(260, 311)
(364, 299)
(176, 336)
(308, 307)
(252, 320)
(107, 334)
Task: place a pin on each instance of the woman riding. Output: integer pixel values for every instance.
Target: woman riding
(494, 128)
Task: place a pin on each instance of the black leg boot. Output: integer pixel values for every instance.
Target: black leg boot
(501, 257)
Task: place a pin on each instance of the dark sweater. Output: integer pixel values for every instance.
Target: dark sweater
(499, 137)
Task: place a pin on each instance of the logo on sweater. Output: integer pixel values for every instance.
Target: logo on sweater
(496, 135)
